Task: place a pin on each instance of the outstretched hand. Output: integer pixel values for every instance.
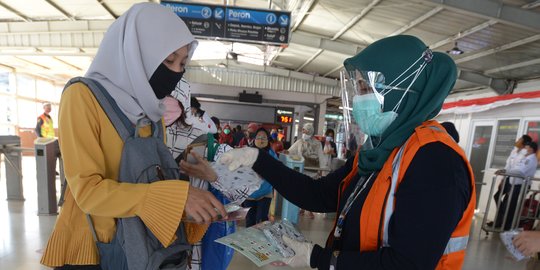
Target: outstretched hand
(239, 157)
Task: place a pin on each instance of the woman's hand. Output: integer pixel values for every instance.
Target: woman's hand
(203, 207)
(201, 169)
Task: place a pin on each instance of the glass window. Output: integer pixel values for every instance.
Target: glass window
(533, 130)
(4, 82)
(26, 86)
(28, 113)
(504, 143)
(45, 90)
(8, 112)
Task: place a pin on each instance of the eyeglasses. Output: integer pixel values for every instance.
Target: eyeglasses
(262, 138)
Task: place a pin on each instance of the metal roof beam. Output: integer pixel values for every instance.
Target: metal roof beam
(302, 38)
(356, 19)
(61, 10)
(306, 7)
(333, 70)
(344, 29)
(531, 5)
(256, 79)
(267, 69)
(55, 26)
(16, 12)
(514, 66)
(495, 10)
(310, 59)
(500, 86)
(107, 8)
(417, 21)
(498, 49)
(462, 34)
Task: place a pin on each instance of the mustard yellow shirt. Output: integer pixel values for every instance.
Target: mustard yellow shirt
(91, 150)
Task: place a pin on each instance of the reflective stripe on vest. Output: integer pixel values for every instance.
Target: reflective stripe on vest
(455, 244)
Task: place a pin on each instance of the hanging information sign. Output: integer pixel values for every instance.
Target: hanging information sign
(234, 23)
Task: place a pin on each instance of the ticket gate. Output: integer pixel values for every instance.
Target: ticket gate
(10, 149)
(47, 152)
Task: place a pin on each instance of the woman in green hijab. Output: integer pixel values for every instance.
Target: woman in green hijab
(406, 201)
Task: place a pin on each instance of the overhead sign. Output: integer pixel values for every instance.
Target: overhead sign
(234, 23)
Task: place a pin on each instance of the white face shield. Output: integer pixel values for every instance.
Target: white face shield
(363, 96)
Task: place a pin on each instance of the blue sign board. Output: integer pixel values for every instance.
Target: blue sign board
(234, 23)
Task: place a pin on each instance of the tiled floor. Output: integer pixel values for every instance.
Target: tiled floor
(23, 234)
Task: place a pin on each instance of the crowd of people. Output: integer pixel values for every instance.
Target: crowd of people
(140, 66)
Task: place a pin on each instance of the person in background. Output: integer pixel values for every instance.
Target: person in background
(281, 135)
(196, 107)
(525, 167)
(238, 135)
(225, 136)
(138, 63)
(274, 134)
(308, 147)
(260, 200)
(249, 139)
(44, 126)
(329, 147)
(517, 154)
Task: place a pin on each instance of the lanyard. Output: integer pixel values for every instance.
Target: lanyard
(360, 186)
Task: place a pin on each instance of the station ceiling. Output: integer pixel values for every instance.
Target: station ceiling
(500, 40)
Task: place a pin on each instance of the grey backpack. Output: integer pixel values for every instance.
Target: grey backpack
(144, 160)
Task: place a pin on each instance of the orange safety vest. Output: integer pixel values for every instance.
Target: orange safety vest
(47, 128)
(373, 234)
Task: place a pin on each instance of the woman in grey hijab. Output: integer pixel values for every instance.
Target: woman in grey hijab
(140, 60)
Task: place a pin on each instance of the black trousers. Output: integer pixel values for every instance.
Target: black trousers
(506, 201)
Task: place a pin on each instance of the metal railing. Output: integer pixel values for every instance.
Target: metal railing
(526, 193)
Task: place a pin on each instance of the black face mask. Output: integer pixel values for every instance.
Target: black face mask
(164, 80)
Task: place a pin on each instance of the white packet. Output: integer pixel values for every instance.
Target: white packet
(507, 238)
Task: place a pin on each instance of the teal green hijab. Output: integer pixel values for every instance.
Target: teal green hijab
(392, 56)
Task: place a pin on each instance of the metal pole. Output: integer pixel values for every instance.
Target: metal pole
(520, 203)
(484, 220)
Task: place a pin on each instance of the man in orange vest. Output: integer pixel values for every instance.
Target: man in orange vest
(44, 127)
(406, 199)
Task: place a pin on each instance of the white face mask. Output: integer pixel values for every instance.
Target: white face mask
(306, 136)
(522, 152)
(329, 139)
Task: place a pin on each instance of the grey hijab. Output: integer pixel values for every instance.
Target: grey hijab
(131, 50)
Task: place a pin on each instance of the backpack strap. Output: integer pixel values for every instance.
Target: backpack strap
(119, 120)
(121, 123)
